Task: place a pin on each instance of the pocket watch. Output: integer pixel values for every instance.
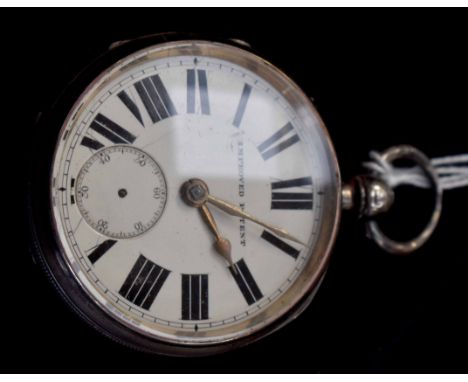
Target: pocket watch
(185, 195)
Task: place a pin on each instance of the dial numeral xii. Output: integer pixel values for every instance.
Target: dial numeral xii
(192, 77)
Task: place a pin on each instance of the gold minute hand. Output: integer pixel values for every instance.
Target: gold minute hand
(234, 210)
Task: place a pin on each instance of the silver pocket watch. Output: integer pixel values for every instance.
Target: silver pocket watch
(186, 196)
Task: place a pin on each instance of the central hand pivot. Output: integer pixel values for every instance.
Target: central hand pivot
(194, 192)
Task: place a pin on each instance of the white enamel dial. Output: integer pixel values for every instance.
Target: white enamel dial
(147, 125)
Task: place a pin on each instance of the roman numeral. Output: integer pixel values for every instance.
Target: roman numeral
(91, 143)
(242, 105)
(194, 297)
(280, 244)
(269, 147)
(192, 76)
(246, 282)
(108, 129)
(100, 250)
(131, 106)
(144, 282)
(155, 98)
(291, 200)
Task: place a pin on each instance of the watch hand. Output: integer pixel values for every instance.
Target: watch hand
(193, 192)
(222, 244)
(234, 210)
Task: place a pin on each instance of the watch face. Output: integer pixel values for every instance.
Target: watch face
(194, 274)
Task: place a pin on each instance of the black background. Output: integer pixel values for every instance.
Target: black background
(377, 80)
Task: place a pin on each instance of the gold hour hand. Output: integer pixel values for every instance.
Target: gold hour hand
(193, 193)
(222, 244)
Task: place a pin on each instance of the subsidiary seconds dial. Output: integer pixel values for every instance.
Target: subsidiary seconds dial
(132, 185)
